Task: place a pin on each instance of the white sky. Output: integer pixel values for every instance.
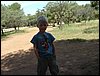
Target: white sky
(30, 7)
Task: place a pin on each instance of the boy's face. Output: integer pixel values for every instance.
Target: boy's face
(42, 27)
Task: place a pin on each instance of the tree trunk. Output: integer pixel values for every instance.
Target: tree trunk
(53, 24)
(60, 26)
(18, 27)
(2, 31)
(15, 28)
(68, 22)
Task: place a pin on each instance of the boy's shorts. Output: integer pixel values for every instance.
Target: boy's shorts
(43, 63)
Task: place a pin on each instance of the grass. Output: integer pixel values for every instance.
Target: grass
(89, 30)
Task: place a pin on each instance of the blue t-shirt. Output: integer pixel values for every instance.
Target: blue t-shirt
(43, 41)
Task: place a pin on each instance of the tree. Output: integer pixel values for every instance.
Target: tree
(50, 8)
(4, 17)
(95, 4)
(68, 12)
(56, 8)
(31, 20)
(15, 15)
(12, 16)
(15, 6)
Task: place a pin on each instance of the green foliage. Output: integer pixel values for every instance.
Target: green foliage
(76, 30)
(11, 16)
(70, 12)
(15, 6)
(58, 12)
(95, 4)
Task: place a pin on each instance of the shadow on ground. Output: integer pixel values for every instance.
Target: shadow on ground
(74, 57)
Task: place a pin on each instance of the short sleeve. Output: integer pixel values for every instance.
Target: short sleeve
(52, 37)
(34, 40)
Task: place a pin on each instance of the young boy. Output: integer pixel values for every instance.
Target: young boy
(44, 49)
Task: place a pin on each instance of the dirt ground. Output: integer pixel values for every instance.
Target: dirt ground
(19, 41)
(74, 57)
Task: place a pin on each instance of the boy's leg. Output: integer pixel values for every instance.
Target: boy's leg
(53, 67)
(42, 66)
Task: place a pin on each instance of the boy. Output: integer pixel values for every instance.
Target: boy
(44, 49)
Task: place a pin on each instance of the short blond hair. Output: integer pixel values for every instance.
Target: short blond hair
(41, 19)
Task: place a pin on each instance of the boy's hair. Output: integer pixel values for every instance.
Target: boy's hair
(41, 19)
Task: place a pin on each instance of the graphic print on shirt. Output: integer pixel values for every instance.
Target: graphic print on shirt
(44, 44)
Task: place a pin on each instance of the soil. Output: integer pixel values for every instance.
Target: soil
(74, 57)
(19, 41)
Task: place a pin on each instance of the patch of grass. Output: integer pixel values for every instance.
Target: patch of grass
(75, 30)
(92, 30)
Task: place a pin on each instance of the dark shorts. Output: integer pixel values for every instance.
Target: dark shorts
(44, 63)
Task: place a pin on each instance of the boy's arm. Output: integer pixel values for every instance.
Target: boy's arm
(36, 51)
(53, 48)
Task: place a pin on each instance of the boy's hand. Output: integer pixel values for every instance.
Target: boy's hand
(36, 52)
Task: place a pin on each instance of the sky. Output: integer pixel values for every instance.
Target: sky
(30, 7)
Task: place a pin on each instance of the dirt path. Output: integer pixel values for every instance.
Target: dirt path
(19, 41)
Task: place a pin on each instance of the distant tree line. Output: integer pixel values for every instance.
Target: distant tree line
(58, 12)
